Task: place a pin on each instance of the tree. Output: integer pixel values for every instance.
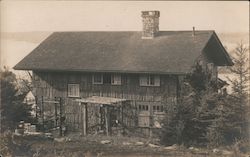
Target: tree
(240, 85)
(209, 117)
(241, 71)
(203, 117)
(189, 124)
(13, 110)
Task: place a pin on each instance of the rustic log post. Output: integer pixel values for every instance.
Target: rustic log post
(150, 132)
(42, 113)
(60, 118)
(107, 120)
(85, 119)
(36, 101)
(55, 112)
(122, 112)
(81, 117)
(122, 118)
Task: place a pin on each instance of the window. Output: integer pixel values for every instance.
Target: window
(73, 90)
(97, 79)
(210, 67)
(116, 79)
(144, 116)
(35, 76)
(143, 107)
(149, 80)
(157, 108)
(107, 78)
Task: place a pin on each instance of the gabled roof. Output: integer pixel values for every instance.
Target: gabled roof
(170, 52)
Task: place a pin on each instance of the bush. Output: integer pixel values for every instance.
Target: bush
(13, 110)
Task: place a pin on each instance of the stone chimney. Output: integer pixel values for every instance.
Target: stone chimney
(150, 21)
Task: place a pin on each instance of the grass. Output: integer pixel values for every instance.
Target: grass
(91, 146)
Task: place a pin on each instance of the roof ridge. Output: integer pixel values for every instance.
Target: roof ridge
(100, 31)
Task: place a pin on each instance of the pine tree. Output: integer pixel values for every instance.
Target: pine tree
(189, 124)
(208, 117)
(231, 124)
(240, 86)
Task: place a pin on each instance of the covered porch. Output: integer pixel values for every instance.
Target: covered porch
(103, 114)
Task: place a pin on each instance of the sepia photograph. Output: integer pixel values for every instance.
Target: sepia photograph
(124, 79)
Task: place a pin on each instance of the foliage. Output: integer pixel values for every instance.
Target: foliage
(6, 144)
(197, 79)
(241, 71)
(222, 129)
(189, 124)
(231, 124)
(240, 87)
(13, 110)
(206, 117)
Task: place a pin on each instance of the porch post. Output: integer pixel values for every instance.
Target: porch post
(84, 117)
(60, 117)
(42, 113)
(55, 112)
(107, 120)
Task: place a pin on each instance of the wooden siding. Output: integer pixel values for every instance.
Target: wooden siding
(55, 85)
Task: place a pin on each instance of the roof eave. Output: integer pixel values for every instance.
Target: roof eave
(102, 71)
(229, 60)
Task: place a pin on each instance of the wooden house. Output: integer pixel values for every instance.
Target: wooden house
(144, 69)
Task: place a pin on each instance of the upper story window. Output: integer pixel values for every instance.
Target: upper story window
(116, 79)
(210, 67)
(97, 79)
(149, 80)
(113, 79)
(212, 70)
(73, 90)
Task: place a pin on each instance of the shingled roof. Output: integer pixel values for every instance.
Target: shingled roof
(170, 52)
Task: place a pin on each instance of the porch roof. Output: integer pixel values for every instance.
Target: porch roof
(101, 100)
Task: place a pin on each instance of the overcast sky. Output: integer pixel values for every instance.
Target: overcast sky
(222, 16)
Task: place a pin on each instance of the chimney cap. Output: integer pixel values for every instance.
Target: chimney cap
(154, 13)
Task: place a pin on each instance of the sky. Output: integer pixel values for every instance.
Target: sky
(37, 17)
(223, 16)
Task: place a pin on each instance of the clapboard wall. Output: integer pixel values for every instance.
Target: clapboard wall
(54, 84)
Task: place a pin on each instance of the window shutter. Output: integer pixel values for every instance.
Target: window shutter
(77, 88)
(116, 79)
(143, 81)
(73, 90)
(157, 81)
(97, 79)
